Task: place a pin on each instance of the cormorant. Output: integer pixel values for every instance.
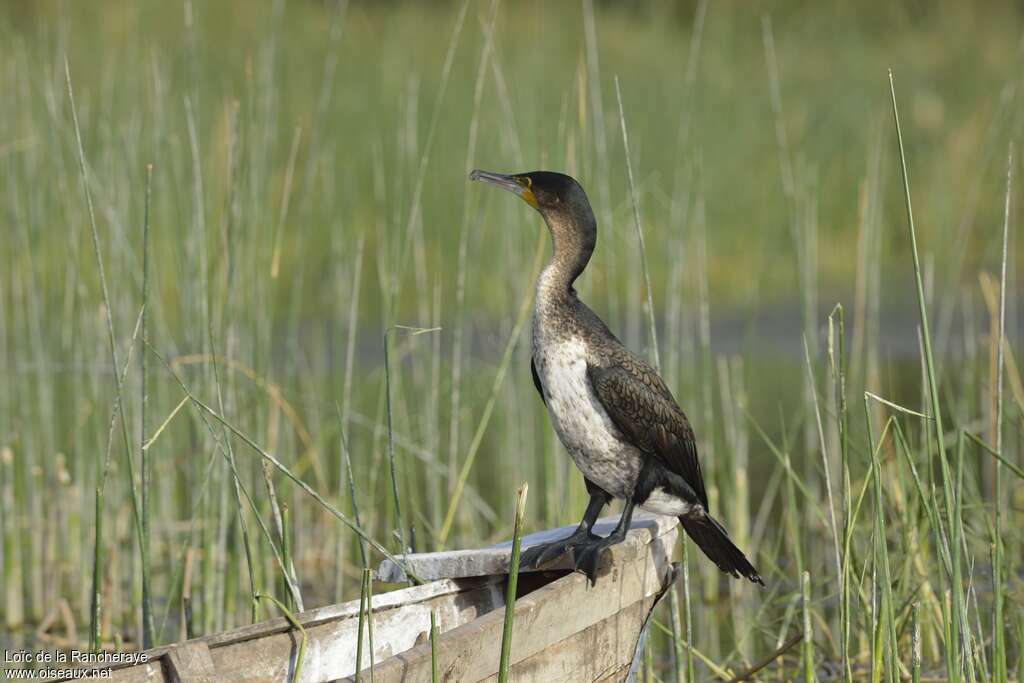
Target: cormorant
(611, 410)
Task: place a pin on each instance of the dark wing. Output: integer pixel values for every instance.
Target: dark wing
(643, 409)
(536, 381)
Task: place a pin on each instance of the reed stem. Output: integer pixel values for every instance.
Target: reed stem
(513, 580)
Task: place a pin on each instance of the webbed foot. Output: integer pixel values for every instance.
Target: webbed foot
(587, 556)
(540, 555)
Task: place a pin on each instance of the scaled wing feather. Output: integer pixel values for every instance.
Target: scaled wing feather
(643, 409)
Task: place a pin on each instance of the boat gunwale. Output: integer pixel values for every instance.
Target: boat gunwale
(317, 616)
(646, 531)
(402, 664)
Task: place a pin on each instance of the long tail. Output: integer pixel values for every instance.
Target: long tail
(712, 538)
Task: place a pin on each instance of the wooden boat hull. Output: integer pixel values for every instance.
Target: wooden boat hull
(565, 629)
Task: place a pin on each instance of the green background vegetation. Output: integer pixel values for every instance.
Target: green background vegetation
(309, 192)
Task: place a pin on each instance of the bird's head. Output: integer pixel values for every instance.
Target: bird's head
(565, 208)
(554, 195)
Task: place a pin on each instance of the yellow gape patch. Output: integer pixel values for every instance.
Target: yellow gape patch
(527, 194)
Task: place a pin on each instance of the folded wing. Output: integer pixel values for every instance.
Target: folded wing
(643, 409)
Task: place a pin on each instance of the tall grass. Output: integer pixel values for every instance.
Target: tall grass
(999, 664)
(785, 285)
(510, 588)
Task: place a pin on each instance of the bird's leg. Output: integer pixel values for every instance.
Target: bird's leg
(540, 554)
(588, 555)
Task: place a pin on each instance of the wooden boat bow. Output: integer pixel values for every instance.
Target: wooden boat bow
(565, 629)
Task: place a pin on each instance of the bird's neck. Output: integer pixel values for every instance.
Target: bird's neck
(573, 238)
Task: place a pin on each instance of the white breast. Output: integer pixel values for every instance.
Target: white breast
(580, 421)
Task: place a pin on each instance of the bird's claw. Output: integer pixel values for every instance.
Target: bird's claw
(587, 557)
(540, 555)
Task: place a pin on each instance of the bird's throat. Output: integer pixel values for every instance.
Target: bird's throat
(573, 239)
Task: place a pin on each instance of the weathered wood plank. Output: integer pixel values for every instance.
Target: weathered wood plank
(633, 571)
(592, 654)
(616, 676)
(553, 610)
(331, 646)
(399, 616)
(494, 559)
(191, 663)
(605, 651)
(150, 672)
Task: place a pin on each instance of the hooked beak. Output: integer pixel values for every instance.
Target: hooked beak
(511, 183)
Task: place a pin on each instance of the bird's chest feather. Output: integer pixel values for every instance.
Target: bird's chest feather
(582, 424)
